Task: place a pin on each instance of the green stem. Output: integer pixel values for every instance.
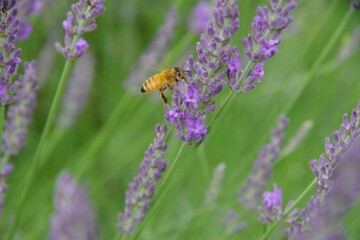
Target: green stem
(53, 141)
(316, 67)
(37, 156)
(2, 118)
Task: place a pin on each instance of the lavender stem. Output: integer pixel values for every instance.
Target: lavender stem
(2, 118)
(35, 161)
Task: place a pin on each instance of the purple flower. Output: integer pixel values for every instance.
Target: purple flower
(324, 171)
(232, 224)
(262, 168)
(271, 208)
(298, 138)
(142, 189)
(19, 114)
(326, 224)
(9, 54)
(5, 171)
(212, 193)
(154, 53)
(45, 59)
(192, 98)
(26, 9)
(77, 91)
(79, 20)
(199, 18)
(262, 42)
(73, 217)
(355, 3)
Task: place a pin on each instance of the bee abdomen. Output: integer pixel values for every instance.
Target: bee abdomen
(150, 85)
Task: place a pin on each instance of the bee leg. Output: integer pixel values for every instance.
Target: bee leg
(161, 90)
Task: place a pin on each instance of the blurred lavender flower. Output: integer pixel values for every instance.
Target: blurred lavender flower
(192, 98)
(77, 91)
(155, 52)
(232, 224)
(6, 169)
(323, 169)
(19, 115)
(298, 138)
(199, 18)
(212, 193)
(262, 168)
(26, 9)
(74, 217)
(46, 58)
(9, 55)
(355, 3)
(142, 189)
(262, 43)
(349, 47)
(79, 20)
(271, 208)
(345, 190)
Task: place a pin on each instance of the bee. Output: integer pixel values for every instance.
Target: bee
(166, 79)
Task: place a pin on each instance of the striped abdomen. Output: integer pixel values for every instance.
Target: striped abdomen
(153, 83)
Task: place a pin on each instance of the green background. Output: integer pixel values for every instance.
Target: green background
(124, 32)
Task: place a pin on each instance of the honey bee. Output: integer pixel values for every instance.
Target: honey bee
(166, 79)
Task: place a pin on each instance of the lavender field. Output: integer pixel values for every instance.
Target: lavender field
(248, 129)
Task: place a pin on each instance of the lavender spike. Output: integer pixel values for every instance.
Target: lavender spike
(199, 18)
(26, 9)
(262, 168)
(9, 54)
(73, 217)
(326, 224)
(142, 189)
(192, 98)
(261, 43)
(271, 207)
(79, 20)
(77, 91)
(19, 115)
(212, 193)
(324, 169)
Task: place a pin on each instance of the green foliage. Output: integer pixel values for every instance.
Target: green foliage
(124, 32)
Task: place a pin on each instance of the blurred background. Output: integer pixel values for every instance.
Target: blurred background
(107, 165)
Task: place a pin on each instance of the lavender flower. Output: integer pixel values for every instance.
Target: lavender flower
(326, 223)
(155, 52)
(262, 43)
(232, 224)
(77, 91)
(271, 208)
(298, 138)
(26, 9)
(199, 18)
(142, 189)
(46, 59)
(323, 169)
(6, 169)
(19, 115)
(9, 55)
(262, 168)
(350, 47)
(79, 20)
(355, 4)
(74, 217)
(192, 98)
(212, 193)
